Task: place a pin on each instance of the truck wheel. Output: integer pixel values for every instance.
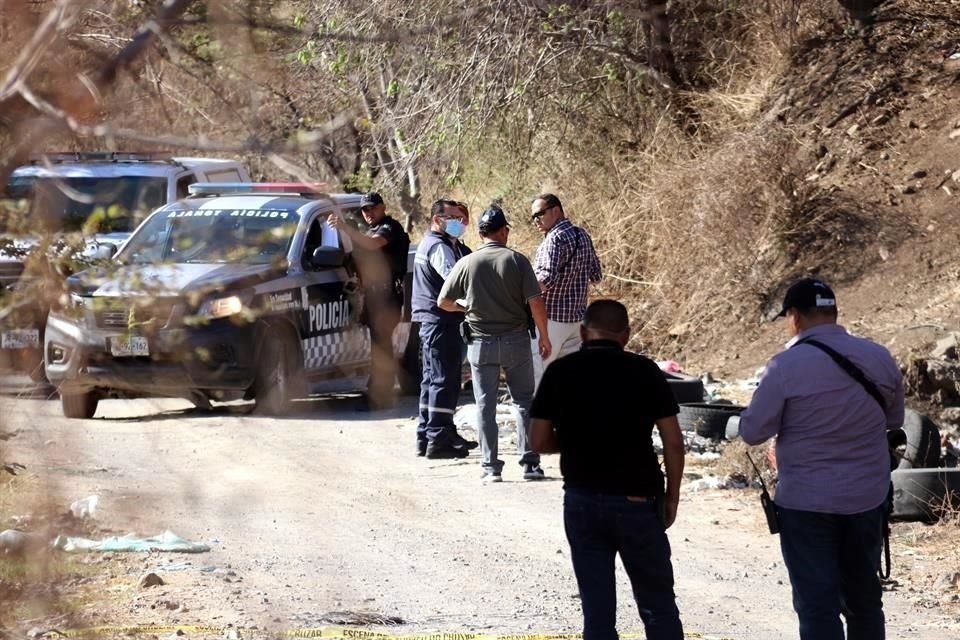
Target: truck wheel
(276, 383)
(79, 405)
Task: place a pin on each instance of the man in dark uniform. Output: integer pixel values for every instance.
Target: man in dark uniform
(597, 408)
(440, 339)
(381, 254)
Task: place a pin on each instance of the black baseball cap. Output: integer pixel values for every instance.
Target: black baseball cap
(806, 294)
(492, 219)
(370, 199)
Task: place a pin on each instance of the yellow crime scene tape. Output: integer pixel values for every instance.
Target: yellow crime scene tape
(338, 633)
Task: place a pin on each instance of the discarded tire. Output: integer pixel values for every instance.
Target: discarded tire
(708, 420)
(923, 442)
(686, 389)
(921, 495)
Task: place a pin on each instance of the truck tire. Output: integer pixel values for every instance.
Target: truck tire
(686, 389)
(921, 495)
(279, 377)
(707, 420)
(923, 442)
(81, 405)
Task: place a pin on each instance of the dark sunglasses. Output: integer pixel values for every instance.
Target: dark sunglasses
(541, 213)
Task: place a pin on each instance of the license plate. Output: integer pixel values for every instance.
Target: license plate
(128, 346)
(20, 339)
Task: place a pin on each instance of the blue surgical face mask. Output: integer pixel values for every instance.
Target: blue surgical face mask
(454, 228)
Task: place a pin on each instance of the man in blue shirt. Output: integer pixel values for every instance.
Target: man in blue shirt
(440, 340)
(833, 463)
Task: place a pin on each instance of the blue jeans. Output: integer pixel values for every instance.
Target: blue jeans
(442, 349)
(833, 561)
(598, 528)
(487, 355)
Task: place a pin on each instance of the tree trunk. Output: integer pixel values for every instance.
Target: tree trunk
(658, 40)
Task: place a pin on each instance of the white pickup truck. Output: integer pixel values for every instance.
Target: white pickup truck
(103, 196)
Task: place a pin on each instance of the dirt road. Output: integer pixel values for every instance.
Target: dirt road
(330, 511)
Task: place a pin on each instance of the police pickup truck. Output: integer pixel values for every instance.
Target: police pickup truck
(102, 196)
(240, 291)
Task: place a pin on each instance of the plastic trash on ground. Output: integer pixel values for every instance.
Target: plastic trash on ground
(670, 366)
(85, 508)
(166, 541)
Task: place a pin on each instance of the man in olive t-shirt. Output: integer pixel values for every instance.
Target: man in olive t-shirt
(496, 284)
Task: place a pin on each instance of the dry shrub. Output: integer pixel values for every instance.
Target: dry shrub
(724, 232)
(733, 461)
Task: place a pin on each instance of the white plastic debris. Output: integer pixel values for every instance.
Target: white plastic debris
(85, 507)
(508, 416)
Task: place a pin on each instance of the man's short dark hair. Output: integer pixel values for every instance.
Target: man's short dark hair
(436, 209)
(818, 312)
(549, 200)
(607, 316)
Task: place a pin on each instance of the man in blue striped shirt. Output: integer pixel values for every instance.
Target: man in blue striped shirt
(565, 265)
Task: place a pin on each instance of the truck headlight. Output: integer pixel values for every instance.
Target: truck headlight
(221, 307)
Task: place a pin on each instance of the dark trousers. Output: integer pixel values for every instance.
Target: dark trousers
(833, 561)
(598, 528)
(442, 349)
(383, 318)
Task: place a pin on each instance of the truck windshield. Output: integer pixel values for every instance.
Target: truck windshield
(92, 205)
(254, 236)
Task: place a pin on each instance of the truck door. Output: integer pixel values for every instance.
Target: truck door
(333, 337)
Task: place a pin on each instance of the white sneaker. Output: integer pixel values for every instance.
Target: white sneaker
(491, 476)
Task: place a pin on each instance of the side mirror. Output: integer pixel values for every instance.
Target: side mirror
(104, 251)
(326, 257)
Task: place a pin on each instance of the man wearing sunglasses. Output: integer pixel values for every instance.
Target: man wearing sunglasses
(566, 264)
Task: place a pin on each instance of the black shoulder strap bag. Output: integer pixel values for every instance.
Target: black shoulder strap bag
(855, 372)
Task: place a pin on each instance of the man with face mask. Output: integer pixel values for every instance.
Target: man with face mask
(440, 339)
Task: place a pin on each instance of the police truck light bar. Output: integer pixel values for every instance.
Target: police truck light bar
(201, 189)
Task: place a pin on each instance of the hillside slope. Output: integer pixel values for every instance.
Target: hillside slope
(879, 131)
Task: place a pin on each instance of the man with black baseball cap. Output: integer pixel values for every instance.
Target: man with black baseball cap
(808, 293)
(381, 254)
(496, 284)
(829, 399)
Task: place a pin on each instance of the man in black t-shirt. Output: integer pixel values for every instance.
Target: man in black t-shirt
(597, 408)
(381, 255)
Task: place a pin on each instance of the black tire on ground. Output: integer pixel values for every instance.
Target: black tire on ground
(707, 420)
(921, 495)
(923, 442)
(410, 371)
(79, 405)
(279, 377)
(686, 389)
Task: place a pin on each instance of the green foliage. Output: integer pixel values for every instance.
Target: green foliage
(204, 47)
(307, 54)
(338, 66)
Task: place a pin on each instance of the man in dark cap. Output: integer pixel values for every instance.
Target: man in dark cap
(829, 399)
(495, 285)
(381, 254)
